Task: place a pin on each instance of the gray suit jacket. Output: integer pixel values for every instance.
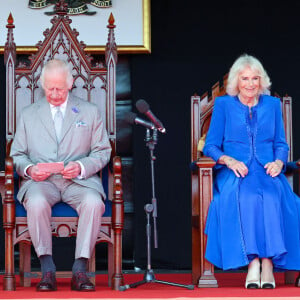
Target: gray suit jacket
(83, 138)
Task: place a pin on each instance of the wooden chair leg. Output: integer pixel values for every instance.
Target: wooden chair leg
(92, 267)
(196, 257)
(110, 258)
(9, 280)
(25, 264)
(289, 277)
(207, 276)
(117, 225)
(117, 278)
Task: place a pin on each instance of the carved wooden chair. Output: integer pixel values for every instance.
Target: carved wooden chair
(93, 81)
(202, 178)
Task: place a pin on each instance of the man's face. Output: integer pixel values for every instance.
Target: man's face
(56, 87)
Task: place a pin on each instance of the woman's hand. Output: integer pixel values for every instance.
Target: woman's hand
(238, 167)
(274, 168)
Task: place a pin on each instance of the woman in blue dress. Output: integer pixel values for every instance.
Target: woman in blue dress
(253, 218)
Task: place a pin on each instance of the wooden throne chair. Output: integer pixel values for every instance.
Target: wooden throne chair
(94, 81)
(202, 178)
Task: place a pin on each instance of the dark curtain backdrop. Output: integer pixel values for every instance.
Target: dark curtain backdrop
(194, 44)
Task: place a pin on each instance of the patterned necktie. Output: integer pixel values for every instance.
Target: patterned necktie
(58, 121)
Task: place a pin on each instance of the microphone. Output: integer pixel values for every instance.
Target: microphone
(143, 107)
(132, 118)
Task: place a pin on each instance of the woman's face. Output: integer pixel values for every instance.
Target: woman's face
(248, 84)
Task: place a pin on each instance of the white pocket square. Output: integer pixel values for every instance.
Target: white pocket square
(80, 124)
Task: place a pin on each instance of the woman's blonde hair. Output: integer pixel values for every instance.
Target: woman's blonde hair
(243, 62)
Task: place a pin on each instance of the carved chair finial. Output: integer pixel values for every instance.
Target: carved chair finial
(10, 19)
(111, 21)
(111, 47)
(10, 46)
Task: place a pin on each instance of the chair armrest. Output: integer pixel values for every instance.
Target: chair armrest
(205, 162)
(202, 162)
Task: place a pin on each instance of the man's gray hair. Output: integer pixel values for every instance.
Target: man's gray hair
(57, 65)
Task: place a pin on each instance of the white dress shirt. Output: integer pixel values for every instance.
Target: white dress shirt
(53, 109)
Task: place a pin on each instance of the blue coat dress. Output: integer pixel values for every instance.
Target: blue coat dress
(254, 216)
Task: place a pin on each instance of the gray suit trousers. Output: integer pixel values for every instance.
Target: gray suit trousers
(39, 199)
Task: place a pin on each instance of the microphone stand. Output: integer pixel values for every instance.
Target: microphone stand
(151, 141)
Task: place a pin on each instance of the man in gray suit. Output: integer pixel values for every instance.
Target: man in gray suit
(61, 128)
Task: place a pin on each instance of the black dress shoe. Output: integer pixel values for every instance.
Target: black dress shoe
(80, 282)
(47, 283)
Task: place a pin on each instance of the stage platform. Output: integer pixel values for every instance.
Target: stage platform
(231, 286)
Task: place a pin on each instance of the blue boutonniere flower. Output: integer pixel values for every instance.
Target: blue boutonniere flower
(75, 110)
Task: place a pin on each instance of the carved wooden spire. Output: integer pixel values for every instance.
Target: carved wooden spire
(10, 46)
(111, 47)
